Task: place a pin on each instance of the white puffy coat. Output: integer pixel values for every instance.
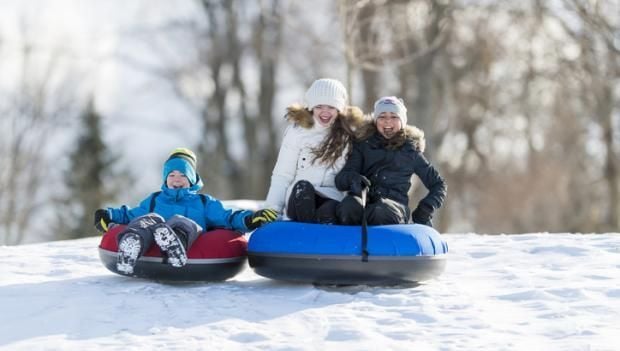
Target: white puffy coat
(295, 163)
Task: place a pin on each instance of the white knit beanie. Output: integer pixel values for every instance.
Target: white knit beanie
(326, 91)
(391, 104)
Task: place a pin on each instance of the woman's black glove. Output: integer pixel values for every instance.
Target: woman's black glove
(260, 218)
(358, 184)
(102, 220)
(422, 215)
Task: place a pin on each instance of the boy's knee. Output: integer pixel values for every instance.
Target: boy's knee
(187, 224)
(146, 220)
(154, 217)
(186, 229)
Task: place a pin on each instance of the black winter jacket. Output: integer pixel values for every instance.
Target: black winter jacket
(390, 169)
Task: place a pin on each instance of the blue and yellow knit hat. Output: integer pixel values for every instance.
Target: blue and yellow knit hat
(183, 160)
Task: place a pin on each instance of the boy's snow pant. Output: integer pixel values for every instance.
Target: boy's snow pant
(186, 229)
(306, 205)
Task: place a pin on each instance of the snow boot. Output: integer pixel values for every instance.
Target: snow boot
(169, 242)
(302, 202)
(128, 251)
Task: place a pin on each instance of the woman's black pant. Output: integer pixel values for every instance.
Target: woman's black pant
(378, 211)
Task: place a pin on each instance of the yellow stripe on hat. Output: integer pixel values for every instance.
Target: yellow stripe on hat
(186, 153)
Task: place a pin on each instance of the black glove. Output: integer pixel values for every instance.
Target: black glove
(260, 217)
(102, 220)
(358, 184)
(422, 215)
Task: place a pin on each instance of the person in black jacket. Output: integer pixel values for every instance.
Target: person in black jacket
(381, 166)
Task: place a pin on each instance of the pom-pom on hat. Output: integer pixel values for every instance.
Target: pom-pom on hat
(183, 160)
(327, 91)
(391, 104)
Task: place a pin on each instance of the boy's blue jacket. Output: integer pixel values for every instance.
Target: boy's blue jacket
(186, 202)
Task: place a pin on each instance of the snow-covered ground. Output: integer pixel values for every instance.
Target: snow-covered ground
(506, 292)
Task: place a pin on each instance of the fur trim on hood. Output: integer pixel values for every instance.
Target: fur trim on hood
(409, 134)
(354, 119)
(415, 136)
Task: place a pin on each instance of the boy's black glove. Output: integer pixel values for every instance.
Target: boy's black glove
(260, 217)
(102, 220)
(422, 215)
(358, 184)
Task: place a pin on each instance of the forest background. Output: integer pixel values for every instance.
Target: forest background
(519, 100)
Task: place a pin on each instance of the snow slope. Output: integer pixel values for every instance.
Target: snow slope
(506, 292)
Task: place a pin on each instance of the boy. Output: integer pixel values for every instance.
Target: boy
(175, 216)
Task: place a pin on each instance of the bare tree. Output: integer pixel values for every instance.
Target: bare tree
(392, 34)
(595, 28)
(31, 115)
(267, 46)
(249, 175)
(228, 76)
(92, 178)
(523, 120)
(492, 83)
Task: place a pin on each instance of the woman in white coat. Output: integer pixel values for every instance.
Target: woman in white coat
(313, 151)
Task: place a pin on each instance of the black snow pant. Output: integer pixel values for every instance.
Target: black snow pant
(306, 205)
(378, 211)
(186, 229)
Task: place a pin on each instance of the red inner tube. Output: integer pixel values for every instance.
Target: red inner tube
(218, 243)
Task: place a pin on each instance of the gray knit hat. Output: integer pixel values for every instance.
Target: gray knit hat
(326, 91)
(391, 104)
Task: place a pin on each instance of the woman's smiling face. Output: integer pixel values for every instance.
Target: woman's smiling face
(325, 114)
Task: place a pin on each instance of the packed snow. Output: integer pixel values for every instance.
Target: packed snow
(498, 292)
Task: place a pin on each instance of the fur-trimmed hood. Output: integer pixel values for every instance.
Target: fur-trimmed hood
(409, 134)
(354, 119)
(415, 136)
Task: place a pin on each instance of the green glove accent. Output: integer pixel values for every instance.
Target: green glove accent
(102, 220)
(260, 218)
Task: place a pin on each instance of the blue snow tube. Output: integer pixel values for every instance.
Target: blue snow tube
(332, 254)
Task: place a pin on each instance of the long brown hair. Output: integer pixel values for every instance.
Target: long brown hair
(343, 132)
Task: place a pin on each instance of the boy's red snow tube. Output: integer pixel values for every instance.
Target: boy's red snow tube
(215, 256)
